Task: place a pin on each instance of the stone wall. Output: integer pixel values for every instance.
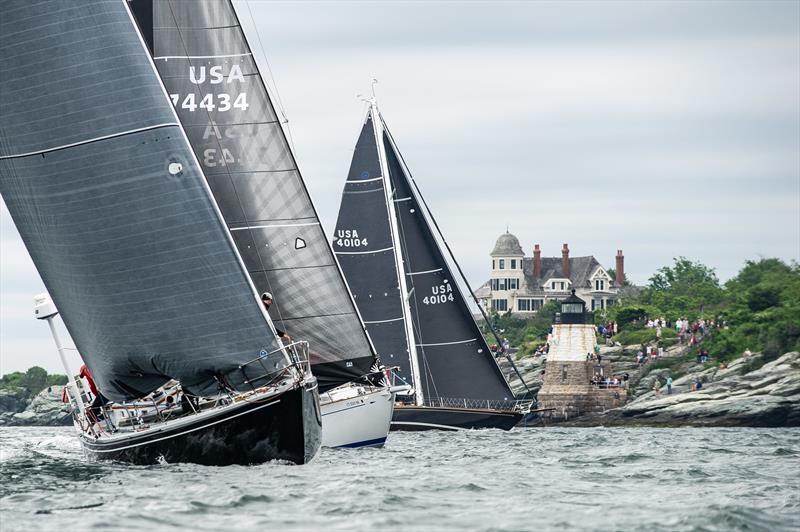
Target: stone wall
(567, 391)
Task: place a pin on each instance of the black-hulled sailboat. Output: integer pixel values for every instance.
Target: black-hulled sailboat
(211, 75)
(409, 298)
(118, 218)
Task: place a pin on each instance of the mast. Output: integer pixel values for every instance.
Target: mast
(431, 221)
(398, 255)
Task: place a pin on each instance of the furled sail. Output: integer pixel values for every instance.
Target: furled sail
(363, 245)
(211, 75)
(454, 359)
(112, 207)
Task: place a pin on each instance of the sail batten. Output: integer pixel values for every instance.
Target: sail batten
(208, 68)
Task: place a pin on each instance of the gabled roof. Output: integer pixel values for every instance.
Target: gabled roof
(580, 270)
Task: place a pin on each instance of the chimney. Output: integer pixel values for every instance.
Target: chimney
(565, 260)
(537, 262)
(620, 279)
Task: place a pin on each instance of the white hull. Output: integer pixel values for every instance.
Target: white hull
(356, 416)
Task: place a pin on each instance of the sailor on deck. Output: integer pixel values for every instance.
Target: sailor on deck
(266, 299)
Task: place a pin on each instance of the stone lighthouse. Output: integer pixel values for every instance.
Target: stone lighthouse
(568, 390)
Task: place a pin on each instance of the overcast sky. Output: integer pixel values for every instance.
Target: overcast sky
(661, 128)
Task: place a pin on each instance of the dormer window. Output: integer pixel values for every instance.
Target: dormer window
(502, 264)
(494, 266)
(513, 264)
(599, 284)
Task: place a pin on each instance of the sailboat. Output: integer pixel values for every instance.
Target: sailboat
(409, 297)
(211, 75)
(113, 207)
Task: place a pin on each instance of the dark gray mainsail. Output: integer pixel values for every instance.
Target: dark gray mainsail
(112, 207)
(211, 75)
(363, 246)
(451, 356)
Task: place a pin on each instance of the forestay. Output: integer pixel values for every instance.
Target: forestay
(115, 213)
(210, 73)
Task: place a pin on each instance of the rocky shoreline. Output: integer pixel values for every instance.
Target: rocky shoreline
(736, 396)
(748, 393)
(19, 408)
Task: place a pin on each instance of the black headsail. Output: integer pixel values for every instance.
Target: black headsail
(454, 359)
(113, 208)
(209, 70)
(364, 248)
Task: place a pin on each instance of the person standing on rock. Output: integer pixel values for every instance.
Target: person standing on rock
(669, 385)
(657, 387)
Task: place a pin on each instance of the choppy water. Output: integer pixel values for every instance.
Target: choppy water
(534, 479)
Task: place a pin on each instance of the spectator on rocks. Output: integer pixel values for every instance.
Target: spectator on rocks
(657, 387)
(669, 385)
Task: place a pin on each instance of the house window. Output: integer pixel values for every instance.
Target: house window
(494, 266)
(536, 304)
(562, 285)
(500, 305)
(502, 264)
(609, 302)
(599, 284)
(597, 304)
(554, 285)
(524, 305)
(513, 264)
(505, 284)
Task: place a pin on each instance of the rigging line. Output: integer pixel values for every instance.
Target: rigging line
(271, 77)
(458, 267)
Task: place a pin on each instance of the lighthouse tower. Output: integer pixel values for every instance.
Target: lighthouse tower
(568, 390)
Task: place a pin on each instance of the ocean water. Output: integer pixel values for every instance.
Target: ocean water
(528, 479)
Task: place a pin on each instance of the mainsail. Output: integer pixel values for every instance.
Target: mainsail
(112, 207)
(363, 244)
(211, 75)
(449, 350)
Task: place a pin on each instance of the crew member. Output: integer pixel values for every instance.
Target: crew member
(266, 299)
(94, 411)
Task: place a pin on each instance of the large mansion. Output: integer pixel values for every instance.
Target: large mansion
(523, 284)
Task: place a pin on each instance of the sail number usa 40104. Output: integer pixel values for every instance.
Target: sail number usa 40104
(439, 294)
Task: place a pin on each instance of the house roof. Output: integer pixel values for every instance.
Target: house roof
(507, 245)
